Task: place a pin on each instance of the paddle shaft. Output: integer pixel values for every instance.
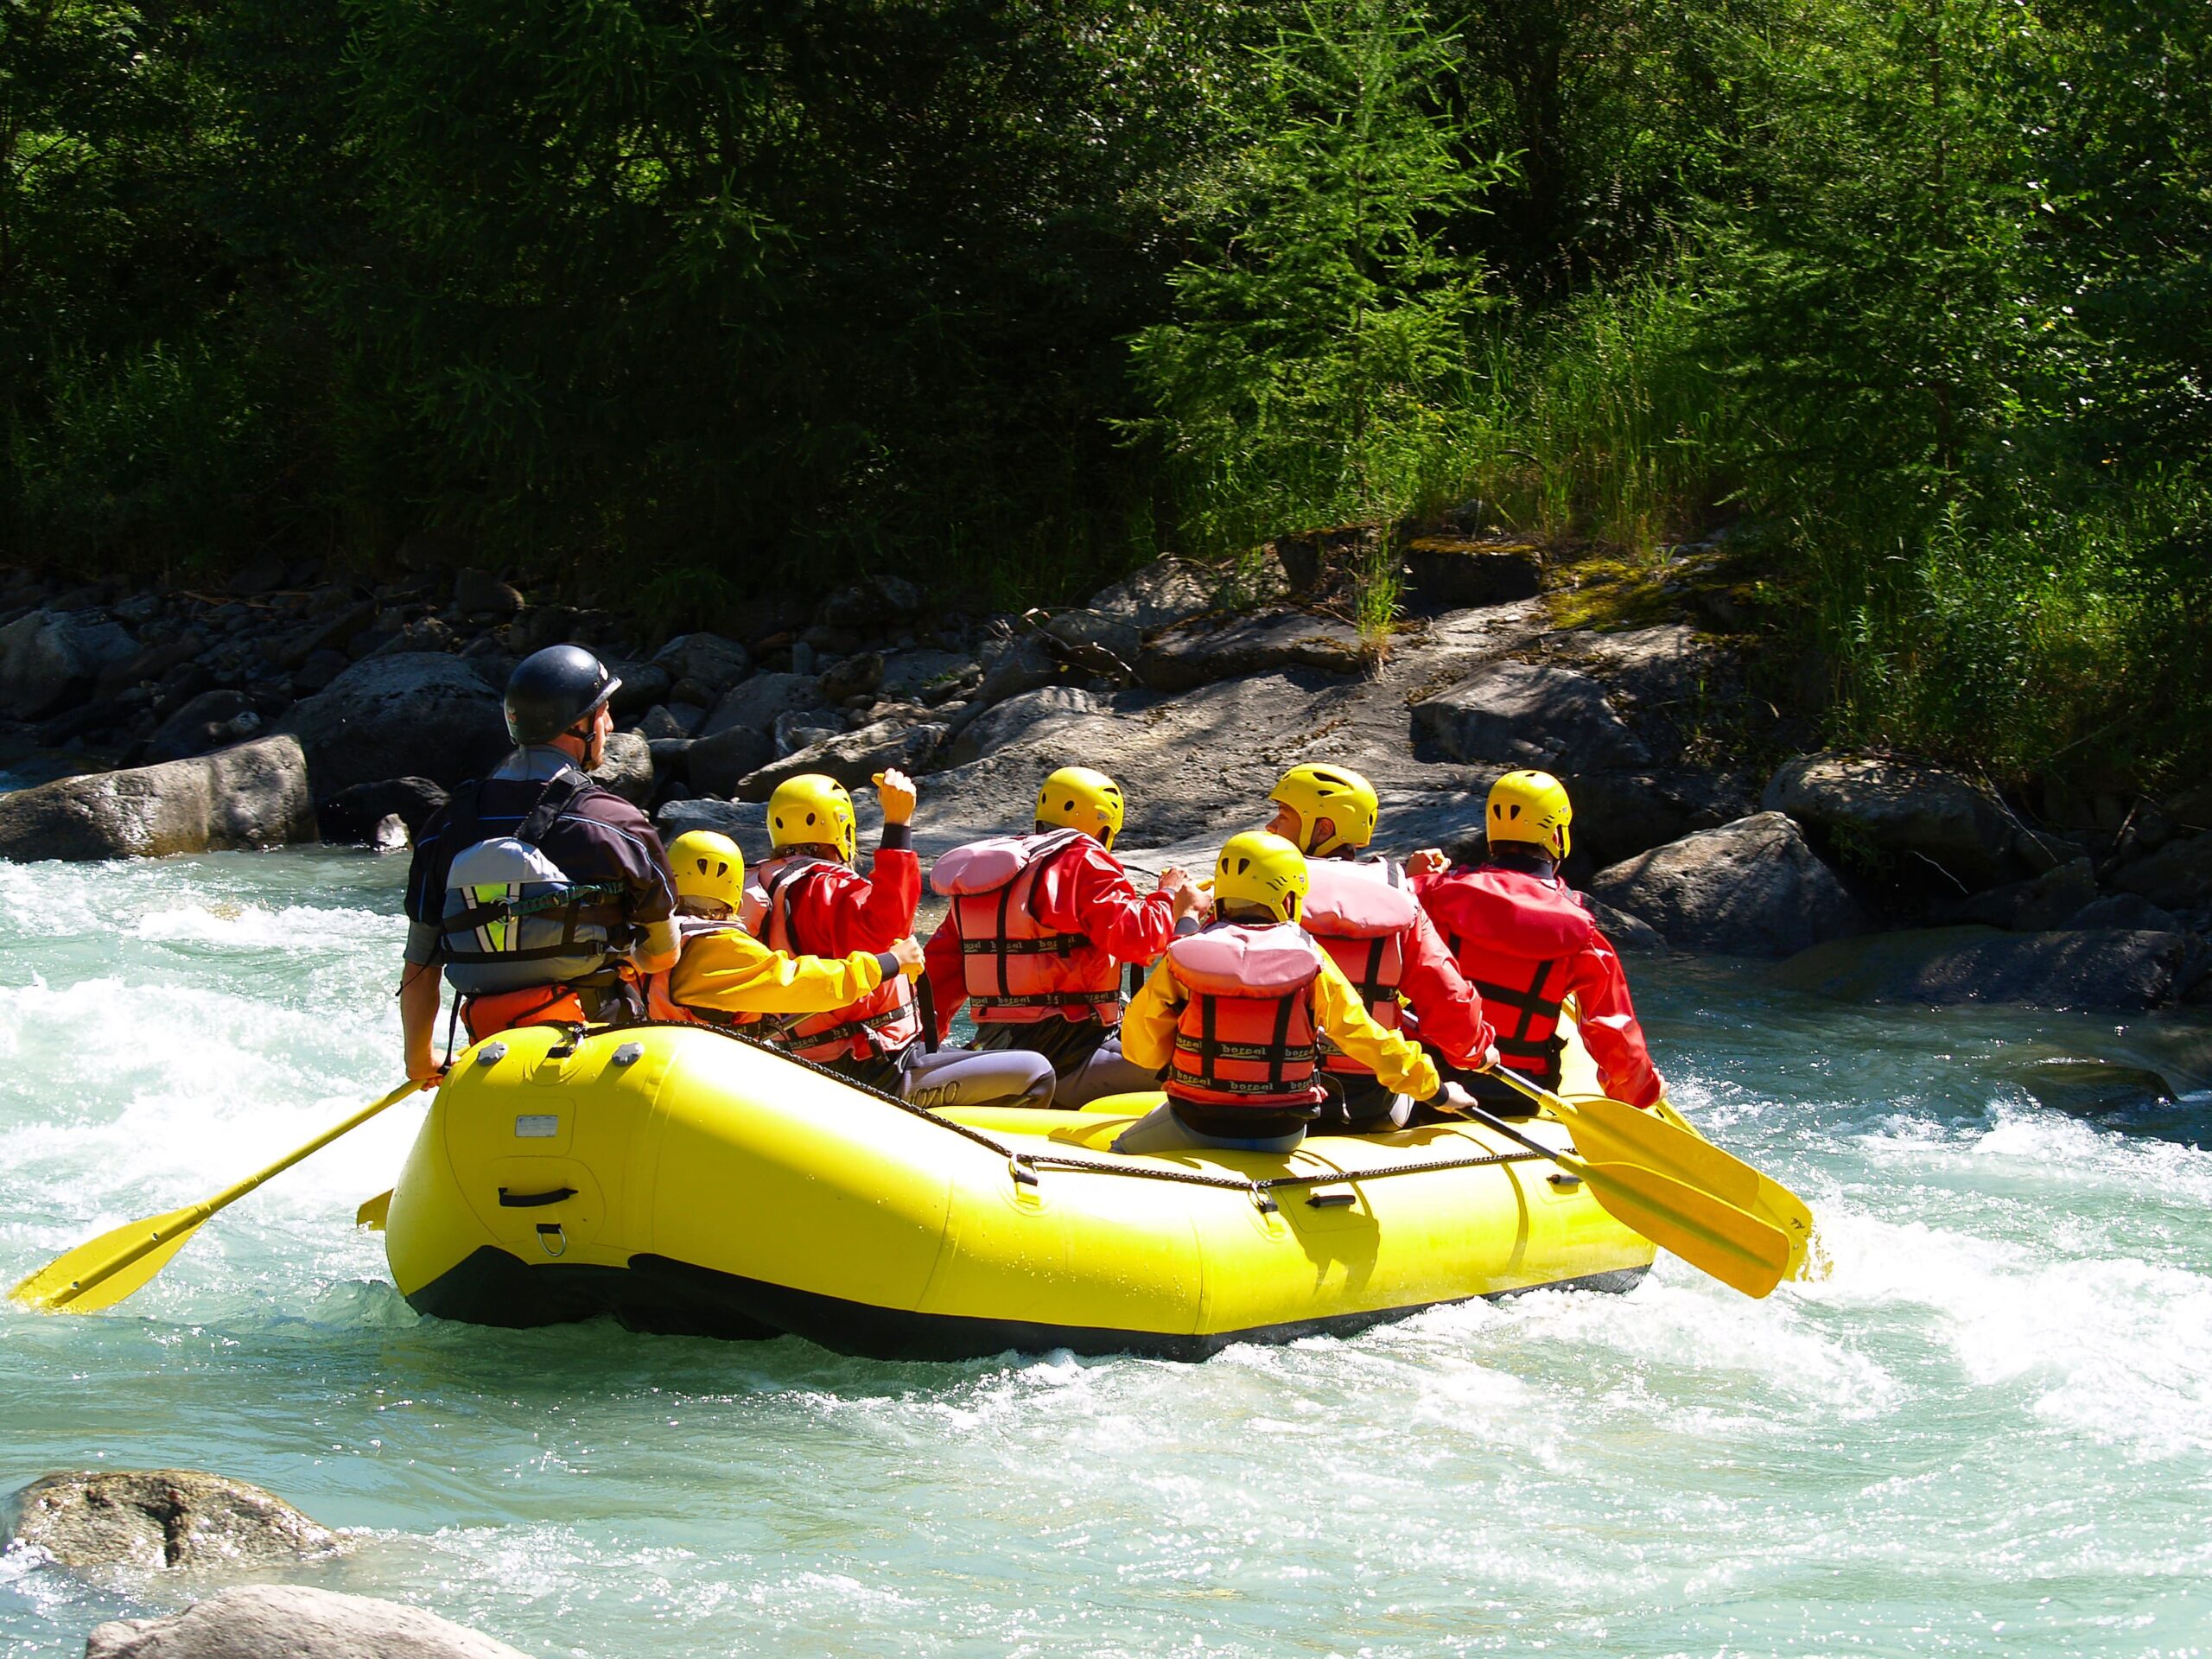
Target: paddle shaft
(1529, 1086)
(1572, 1165)
(198, 1213)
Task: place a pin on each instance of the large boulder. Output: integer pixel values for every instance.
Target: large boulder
(2099, 969)
(1620, 814)
(1530, 715)
(716, 765)
(1199, 652)
(294, 1621)
(1034, 714)
(254, 795)
(1013, 664)
(626, 767)
(1093, 642)
(754, 703)
(155, 1518)
(350, 817)
(736, 819)
(923, 675)
(706, 659)
(1167, 590)
(2042, 902)
(1750, 888)
(1901, 808)
(207, 721)
(422, 714)
(50, 659)
(2178, 876)
(852, 757)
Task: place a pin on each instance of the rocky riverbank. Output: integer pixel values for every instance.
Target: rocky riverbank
(294, 703)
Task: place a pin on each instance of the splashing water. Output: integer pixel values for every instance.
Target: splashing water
(1990, 1429)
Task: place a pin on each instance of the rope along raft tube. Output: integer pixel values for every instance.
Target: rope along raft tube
(690, 1180)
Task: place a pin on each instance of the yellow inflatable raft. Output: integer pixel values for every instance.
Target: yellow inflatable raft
(687, 1182)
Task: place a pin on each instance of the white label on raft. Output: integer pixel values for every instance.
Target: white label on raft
(537, 1126)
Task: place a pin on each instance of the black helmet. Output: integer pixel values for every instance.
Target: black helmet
(554, 690)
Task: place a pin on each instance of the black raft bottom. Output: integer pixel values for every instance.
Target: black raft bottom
(667, 1298)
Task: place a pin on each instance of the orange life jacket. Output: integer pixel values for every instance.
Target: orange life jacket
(1246, 1038)
(1360, 915)
(533, 1005)
(660, 997)
(881, 1024)
(1014, 968)
(1515, 936)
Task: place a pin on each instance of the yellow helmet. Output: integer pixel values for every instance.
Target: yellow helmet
(812, 811)
(1075, 798)
(1263, 869)
(1530, 806)
(707, 865)
(1337, 793)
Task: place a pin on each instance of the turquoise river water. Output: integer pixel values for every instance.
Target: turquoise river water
(1990, 1430)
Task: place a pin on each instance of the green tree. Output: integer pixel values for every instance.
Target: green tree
(1320, 334)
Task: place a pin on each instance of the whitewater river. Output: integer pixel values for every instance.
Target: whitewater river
(1991, 1430)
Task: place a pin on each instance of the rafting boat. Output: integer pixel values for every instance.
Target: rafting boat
(686, 1180)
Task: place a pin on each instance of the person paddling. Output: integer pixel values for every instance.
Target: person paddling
(539, 895)
(808, 900)
(727, 977)
(1232, 1016)
(1040, 927)
(1360, 909)
(1525, 940)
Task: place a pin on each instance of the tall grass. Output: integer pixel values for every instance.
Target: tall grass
(1596, 424)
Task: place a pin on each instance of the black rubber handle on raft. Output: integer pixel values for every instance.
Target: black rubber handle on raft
(533, 1200)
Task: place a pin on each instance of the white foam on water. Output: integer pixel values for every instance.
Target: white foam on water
(1990, 1413)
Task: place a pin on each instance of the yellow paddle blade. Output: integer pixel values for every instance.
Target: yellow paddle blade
(374, 1212)
(1614, 1132)
(102, 1272)
(1740, 1250)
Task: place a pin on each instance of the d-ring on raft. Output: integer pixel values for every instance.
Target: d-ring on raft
(684, 1180)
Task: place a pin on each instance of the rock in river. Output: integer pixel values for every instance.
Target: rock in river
(254, 795)
(158, 1518)
(1750, 888)
(2103, 969)
(293, 1621)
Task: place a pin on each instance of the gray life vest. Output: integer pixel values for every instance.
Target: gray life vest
(513, 918)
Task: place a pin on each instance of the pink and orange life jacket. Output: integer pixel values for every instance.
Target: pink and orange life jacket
(1246, 1037)
(1015, 970)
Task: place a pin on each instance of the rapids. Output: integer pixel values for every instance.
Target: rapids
(1991, 1429)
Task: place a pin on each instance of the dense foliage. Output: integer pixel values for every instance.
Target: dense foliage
(1914, 297)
